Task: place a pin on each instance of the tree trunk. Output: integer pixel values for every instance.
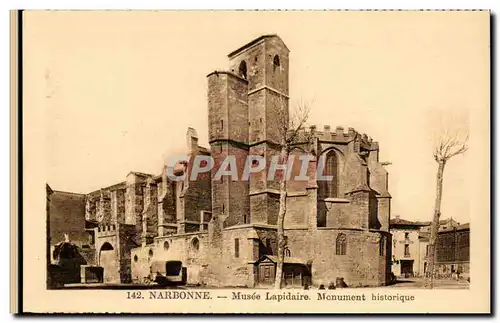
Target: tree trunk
(435, 224)
(278, 282)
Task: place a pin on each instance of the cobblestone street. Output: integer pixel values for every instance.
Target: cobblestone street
(438, 283)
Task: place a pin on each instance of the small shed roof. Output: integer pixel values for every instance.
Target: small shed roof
(287, 260)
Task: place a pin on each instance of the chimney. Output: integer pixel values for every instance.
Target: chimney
(192, 140)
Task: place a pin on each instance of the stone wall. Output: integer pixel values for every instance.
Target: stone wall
(140, 264)
(107, 249)
(190, 248)
(67, 215)
(103, 207)
(237, 100)
(150, 212)
(257, 117)
(113, 245)
(384, 212)
(362, 265)
(277, 75)
(118, 206)
(238, 268)
(300, 244)
(167, 216)
(359, 209)
(134, 200)
(255, 61)
(229, 255)
(217, 106)
(128, 239)
(298, 210)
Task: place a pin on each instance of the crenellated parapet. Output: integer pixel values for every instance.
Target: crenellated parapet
(339, 135)
(105, 230)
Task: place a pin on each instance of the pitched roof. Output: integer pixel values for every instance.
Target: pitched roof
(403, 222)
(440, 221)
(251, 43)
(141, 174)
(461, 227)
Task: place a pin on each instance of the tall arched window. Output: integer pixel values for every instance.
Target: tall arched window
(276, 63)
(341, 244)
(332, 169)
(243, 70)
(381, 246)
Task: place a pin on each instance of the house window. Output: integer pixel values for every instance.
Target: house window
(407, 235)
(135, 258)
(288, 253)
(236, 248)
(166, 246)
(222, 124)
(341, 244)
(407, 250)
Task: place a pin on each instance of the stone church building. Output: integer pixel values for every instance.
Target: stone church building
(224, 230)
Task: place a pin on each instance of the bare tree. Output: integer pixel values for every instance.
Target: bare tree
(291, 134)
(447, 147)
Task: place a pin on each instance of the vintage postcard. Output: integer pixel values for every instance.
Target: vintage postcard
(252, 161)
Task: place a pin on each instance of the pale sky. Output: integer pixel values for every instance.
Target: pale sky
(118, 90)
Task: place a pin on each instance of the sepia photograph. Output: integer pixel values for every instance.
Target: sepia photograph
(266, 158)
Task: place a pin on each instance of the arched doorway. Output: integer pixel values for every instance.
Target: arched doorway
(108, 260)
